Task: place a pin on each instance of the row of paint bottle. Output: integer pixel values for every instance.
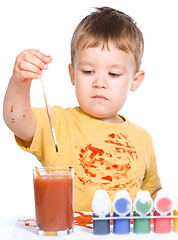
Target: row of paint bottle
(143, 208)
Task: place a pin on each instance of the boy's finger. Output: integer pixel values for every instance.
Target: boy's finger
(34, 61)
(41, 56)
(30, 75)
(27, 66)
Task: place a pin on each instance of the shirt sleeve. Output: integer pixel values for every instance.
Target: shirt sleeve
(151, 180)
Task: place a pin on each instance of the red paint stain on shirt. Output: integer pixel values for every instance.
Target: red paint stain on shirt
(132, 153)
(112, 135)
(107, 168)
(101, 161)
(94, 161)
(114, 142)
(115, 166)
(89, 164)
(122, 186)
(109, 154)
(124, 136)
(120, 150)
(95, 151)
(108, 178)
(134, 185)
(125, 168)
(83, 181)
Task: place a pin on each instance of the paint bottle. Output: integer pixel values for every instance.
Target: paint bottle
(143, 205)
(176, 219)
(122, 206)
(101, 206)
(163, 206)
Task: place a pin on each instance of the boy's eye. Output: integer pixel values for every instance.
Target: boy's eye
(114, 74)
(88, 72)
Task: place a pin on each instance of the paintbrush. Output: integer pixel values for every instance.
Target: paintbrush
(49, 116)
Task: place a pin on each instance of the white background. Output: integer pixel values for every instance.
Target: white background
(48, 26)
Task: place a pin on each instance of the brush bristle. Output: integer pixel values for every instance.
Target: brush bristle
(56, 148)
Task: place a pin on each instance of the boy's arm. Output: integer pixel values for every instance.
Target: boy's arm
(17, 111)
(153, 196)
(151, 180)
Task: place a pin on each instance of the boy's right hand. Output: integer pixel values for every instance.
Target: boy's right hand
(29, 65)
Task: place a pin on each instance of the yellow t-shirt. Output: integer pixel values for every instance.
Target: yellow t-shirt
(103, 155)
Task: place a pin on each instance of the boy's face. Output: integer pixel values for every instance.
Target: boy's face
(102, 79)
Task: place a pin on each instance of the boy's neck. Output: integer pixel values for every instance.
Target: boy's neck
(116, 119)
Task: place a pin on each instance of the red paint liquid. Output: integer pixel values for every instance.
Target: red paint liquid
(164, 205)
(54, 202)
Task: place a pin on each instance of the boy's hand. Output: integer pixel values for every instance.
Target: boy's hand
(29, 65)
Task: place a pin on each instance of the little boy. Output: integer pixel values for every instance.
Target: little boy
(105, 149)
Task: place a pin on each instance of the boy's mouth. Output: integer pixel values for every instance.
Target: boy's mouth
(100, 97)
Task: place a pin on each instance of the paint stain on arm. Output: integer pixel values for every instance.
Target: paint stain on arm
(12, 109)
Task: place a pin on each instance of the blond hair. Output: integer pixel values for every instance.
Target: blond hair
(109, 25)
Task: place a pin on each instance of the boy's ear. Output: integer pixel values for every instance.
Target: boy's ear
(138, 78)
(71, 74)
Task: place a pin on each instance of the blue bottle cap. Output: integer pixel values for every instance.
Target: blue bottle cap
(122, 203)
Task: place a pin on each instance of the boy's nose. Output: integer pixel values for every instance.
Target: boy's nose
(100, 82)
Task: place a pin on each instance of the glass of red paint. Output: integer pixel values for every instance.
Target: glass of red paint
(54, 194)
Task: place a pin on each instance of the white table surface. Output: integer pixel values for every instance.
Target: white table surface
(23, 227)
